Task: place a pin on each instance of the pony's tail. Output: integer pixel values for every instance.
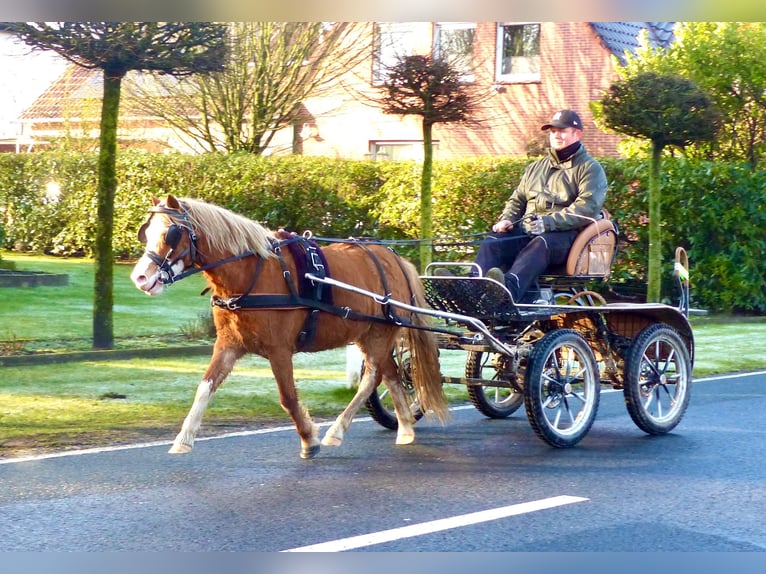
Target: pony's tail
(424, 356)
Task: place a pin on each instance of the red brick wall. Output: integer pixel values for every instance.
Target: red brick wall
(575, 70)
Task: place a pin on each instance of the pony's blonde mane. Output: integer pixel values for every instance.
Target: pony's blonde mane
(226, 231)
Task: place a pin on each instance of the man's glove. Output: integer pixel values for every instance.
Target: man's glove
(534, 226)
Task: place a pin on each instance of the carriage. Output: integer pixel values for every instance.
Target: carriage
(554, 357)
(275, 294)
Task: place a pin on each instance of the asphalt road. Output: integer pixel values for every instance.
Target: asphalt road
(475, 485)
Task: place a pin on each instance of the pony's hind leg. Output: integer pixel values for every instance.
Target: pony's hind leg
(377, 367)
(219, 368)
(370, 379)
(405, 430)
(282, 367)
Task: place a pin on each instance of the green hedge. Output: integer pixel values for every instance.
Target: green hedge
(715, 211)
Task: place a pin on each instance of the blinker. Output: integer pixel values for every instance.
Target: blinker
(173, 236)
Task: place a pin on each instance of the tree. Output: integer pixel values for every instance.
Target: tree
(271, 69)
(175, 48)
(433, 89)
(668, 110)
(727, 60)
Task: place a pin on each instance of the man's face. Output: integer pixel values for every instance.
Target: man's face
(562, 137)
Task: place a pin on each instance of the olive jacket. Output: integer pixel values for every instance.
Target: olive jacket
(566, 195)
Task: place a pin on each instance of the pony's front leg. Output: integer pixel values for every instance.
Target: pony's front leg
(282, 368)
(185, 439)
(219, 368)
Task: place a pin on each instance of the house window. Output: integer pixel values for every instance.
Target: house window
(453, 41)
(518, 52)
(399, 150)
(393, 41)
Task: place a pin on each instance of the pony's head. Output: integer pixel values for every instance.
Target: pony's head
(170, 245)
(180, 232)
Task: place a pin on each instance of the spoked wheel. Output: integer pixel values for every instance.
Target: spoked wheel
(657, 379)
(381, 406)
(493, 402)
(561, 388)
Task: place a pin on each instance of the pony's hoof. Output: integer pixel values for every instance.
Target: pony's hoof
(180, 448)
(310, 452)
(331, 441)
(405, 439)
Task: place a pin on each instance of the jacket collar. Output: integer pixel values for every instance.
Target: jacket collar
(555, 161)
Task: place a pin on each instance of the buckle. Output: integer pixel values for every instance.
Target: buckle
(229, 304)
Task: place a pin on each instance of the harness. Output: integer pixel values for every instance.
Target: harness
(308, 258)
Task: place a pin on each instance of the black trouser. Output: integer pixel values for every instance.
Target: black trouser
(524, 257)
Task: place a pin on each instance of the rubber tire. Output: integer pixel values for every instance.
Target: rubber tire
(479, 396)
(541, 390)
(646, 379)
(379, 404)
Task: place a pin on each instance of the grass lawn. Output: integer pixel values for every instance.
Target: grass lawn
(40, 316)
(90, 403)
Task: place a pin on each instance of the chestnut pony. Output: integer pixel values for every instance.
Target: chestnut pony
(255, 275)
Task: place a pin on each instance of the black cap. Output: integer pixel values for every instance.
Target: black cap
(564, 119)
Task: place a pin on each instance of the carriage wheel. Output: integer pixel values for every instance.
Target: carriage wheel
(561, 388)
(493, 402)
(381, 406)
(657, 379)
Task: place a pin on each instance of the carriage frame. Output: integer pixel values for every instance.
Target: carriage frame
(553, 358)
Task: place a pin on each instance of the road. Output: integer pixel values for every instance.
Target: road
(475, 485)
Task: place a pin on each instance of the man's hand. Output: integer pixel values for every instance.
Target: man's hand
(502, 226)
(535, 226)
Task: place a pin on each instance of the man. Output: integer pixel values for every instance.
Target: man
(557, 195)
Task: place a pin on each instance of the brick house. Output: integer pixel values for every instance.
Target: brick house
(531, 70)
(528, 70)
(71, 107)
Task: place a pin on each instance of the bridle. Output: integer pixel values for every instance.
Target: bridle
(179, 225)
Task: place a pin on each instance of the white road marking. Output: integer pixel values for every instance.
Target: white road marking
(437, 525)
(96, 450)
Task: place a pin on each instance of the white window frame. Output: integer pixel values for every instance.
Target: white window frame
(468, 76)
(531, 62)
(393, 41)
(379, 150)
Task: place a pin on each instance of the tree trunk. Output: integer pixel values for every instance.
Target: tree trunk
(655, 233)
(426, 230)
(103, 322)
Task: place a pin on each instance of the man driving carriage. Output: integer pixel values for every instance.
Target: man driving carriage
(557, 195)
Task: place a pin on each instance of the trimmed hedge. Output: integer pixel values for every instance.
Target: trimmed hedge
(716, 211)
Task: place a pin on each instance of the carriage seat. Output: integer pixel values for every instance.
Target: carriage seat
(592, 252)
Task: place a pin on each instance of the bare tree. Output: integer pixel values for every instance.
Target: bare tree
(272, 68)
(174, 48)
